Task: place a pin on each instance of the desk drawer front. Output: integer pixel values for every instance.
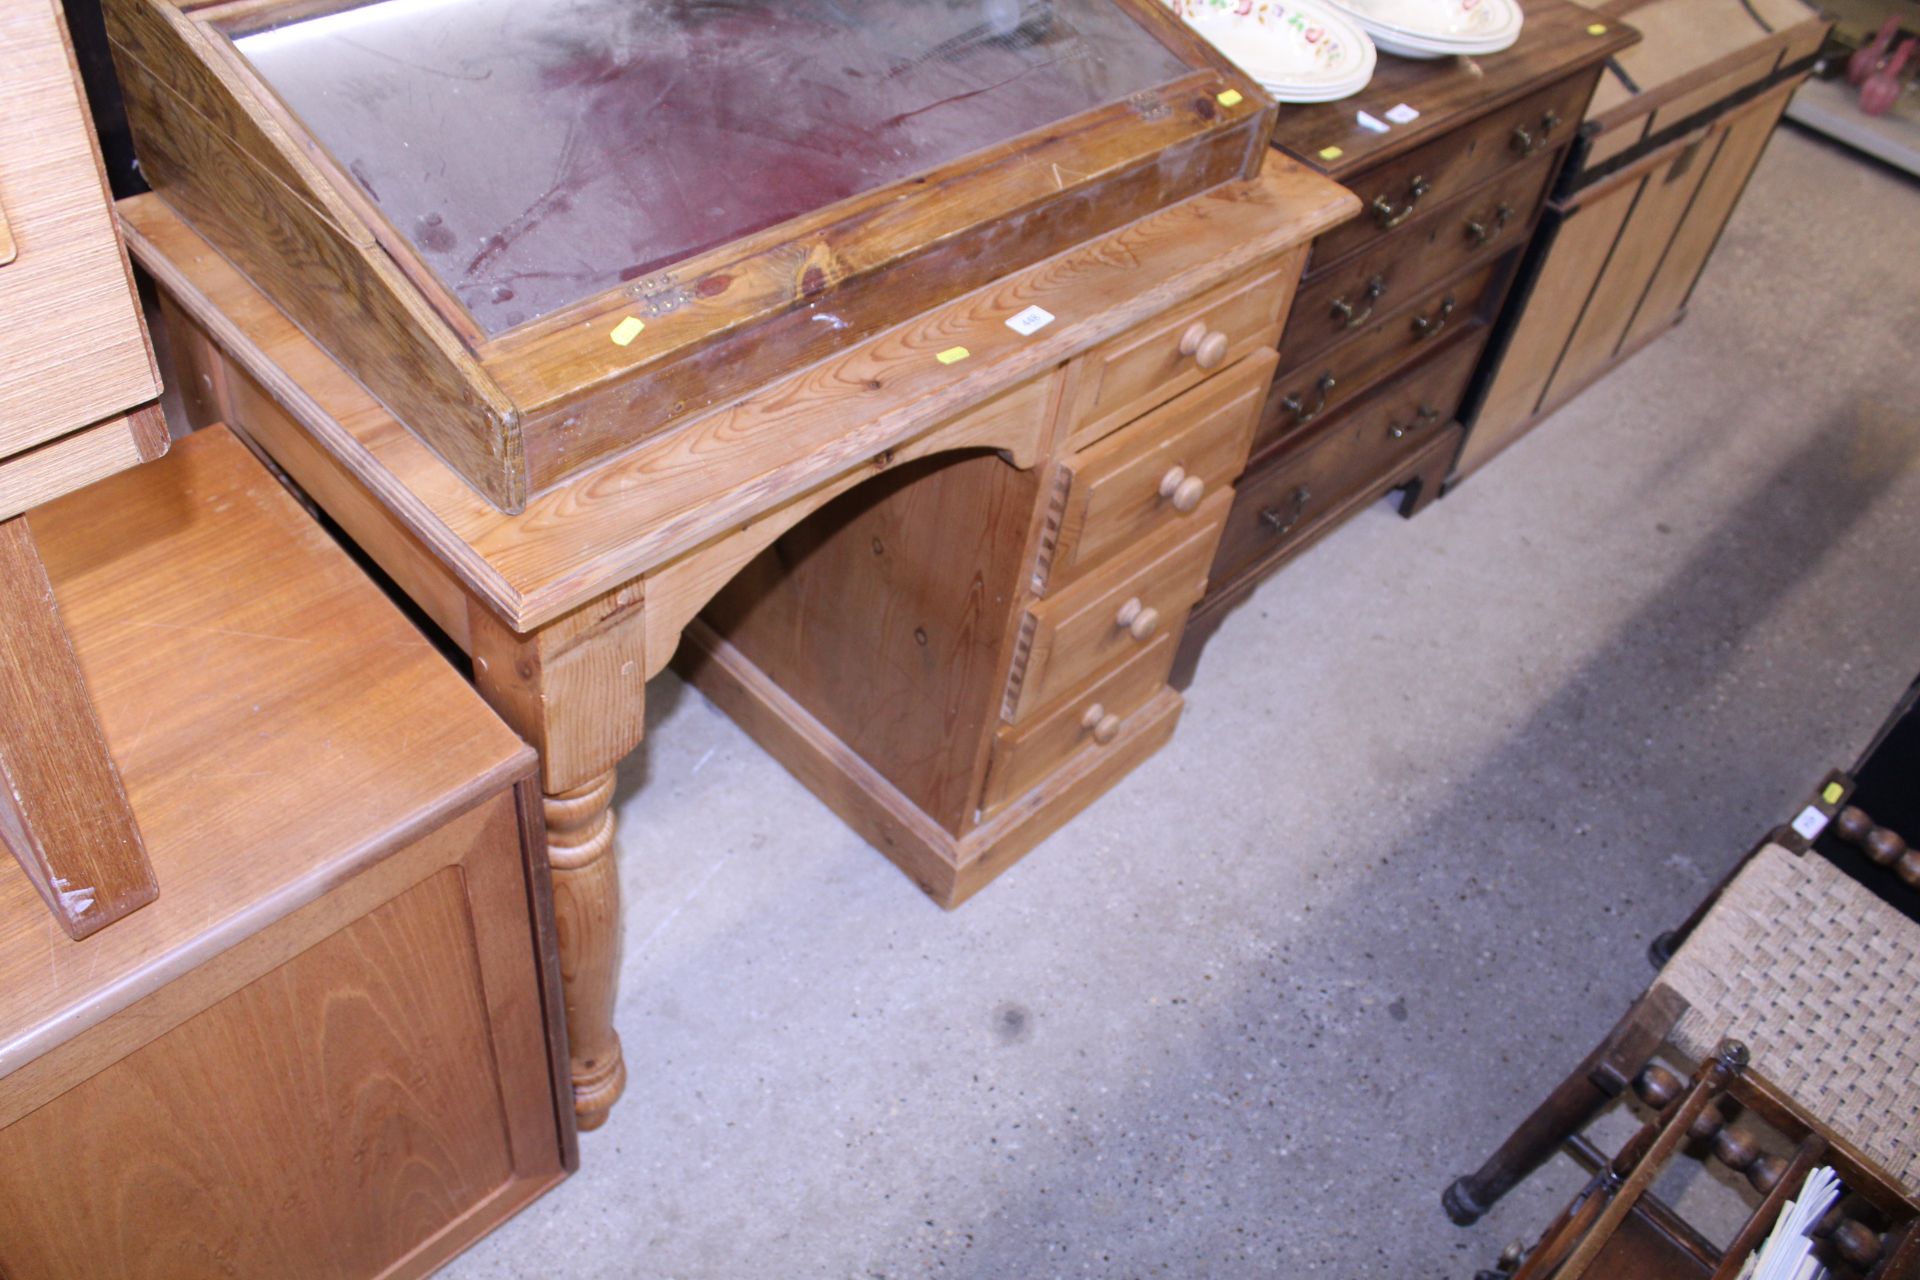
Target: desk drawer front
(1313, 391)
(1125, 376)
(1283, 497)
(1398, 190)
(1482, 224)
(1113, 613)
(1155, 473)
(1024, 754)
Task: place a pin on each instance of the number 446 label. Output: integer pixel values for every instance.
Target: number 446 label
(1030, 321)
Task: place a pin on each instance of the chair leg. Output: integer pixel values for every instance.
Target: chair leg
(1609, 1069)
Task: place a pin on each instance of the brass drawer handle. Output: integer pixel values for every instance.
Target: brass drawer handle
(1280, 525)
(1526, 143)
(1422, 416)
(1480, 232)
(1101, 723)
(1208, 347)
(1389, 217)
(1432, 326)
(1182, 490)
(1138, 620)
(1298, 407)
(1343, 310)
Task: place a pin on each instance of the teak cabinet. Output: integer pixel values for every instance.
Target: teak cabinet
(1671, 136)
(333, 1046)
(1396, 305)
(695, 200)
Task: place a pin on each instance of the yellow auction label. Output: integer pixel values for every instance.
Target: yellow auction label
(1596, 28)
(627, 330)
(953, 355)
(1230, 98)
(1331, 153)
(1833, 793)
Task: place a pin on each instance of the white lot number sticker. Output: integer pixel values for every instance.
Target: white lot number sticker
(1810, 823)
(1030, 321)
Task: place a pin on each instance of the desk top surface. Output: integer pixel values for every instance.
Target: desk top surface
(640, 509)
(248, 676)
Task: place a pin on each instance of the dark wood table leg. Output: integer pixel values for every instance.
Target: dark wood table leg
(1608, 1070)
(63, 813)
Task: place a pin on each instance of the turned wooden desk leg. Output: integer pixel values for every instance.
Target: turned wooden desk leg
(586, 910)
(576, 689)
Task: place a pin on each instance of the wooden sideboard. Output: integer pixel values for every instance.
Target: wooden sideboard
(332, 1047)
(77, 390)
(1394, 311)
(1023, 513)
(1673, 132)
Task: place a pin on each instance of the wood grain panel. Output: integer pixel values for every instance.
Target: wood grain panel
(63, 811)
(322, 1121)
(1662, 201)
(73, 349)
(1747, 132)
(1582, 241)
(885, 615)
(79, 458)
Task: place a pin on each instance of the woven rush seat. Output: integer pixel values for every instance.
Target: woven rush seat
(1818, 977)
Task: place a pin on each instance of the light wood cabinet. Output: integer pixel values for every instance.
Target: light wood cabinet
(332, 1046)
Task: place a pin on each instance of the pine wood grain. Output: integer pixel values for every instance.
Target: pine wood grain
(214, 549)
(73, 349)
(63, 812)
(669, 496)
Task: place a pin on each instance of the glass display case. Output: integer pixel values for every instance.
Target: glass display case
(540, 230)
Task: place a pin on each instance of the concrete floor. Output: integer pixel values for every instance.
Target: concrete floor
(1437, 786)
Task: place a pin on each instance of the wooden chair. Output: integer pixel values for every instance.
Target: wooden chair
(1801, 962)
(1617, 1229)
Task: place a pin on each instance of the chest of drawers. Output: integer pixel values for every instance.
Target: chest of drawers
(1395, 307)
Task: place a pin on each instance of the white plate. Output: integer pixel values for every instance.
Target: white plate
(1464, 22)
(1405, 47)
(1297, 45)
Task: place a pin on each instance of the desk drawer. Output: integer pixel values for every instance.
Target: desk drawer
(1395, 192)
(1148, 365)
(1482, 224)
(1285, 496)
(1312, 391)
(1112, 613)
(1025, 754)
(1155, 473)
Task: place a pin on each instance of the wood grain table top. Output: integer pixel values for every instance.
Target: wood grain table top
(279, 724)
(674, 492)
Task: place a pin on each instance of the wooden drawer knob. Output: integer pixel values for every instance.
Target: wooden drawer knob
(1104, 726)
(1140, 621)
(1181, 489)
(1208, 347)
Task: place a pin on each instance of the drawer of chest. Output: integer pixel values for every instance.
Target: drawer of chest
(1313, 390)
(1024, 754)
(1395, 192)
(1085, 630)
(1285, 495)
(1155, 473)
(1151, 363)
(1484, 223)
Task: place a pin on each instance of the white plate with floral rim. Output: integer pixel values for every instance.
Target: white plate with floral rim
(1440, 26)
(1289, 46)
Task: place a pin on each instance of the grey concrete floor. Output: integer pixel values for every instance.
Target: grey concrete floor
(1437, 786)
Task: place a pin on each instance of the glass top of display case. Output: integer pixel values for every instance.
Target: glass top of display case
(539, 152)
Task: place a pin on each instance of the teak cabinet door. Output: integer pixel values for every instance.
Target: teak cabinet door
(72, 348)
